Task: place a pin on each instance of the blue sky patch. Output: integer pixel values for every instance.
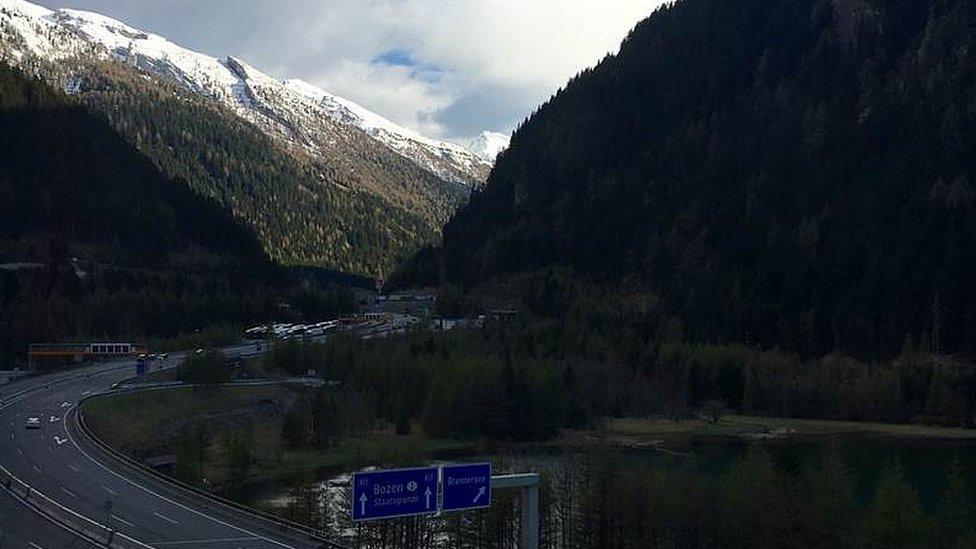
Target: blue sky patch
(404, 58)
(396, 57)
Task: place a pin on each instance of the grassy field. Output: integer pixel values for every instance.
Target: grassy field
(138, 423)
(133, 421)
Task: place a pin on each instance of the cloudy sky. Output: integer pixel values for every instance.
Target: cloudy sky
(448, 68)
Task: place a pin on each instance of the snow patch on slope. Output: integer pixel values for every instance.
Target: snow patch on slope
(308, 112)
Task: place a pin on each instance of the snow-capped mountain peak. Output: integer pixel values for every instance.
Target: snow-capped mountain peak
(488, 145)
(292, 109)
(31, 10)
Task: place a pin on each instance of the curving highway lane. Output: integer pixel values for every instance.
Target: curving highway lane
(21, 527)
(59, 462)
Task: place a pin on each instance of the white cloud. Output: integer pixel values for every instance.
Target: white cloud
(499, 58)
(525, 49)
(390, 91)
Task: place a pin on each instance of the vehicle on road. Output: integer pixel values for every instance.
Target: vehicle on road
(33, 423)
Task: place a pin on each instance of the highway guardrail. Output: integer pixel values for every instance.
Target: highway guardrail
(276, 521)
(73, 521)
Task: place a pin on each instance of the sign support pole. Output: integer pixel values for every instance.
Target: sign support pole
(529, 485)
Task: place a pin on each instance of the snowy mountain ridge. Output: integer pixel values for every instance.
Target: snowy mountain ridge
(488, 145)
(293, 110)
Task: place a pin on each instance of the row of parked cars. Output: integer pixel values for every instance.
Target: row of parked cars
(284, 330)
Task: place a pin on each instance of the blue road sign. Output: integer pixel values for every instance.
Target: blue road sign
(394, 493)
(466, 486)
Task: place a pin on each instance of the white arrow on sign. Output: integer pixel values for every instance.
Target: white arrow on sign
(481, 492)
(427, 494)
(362, 504)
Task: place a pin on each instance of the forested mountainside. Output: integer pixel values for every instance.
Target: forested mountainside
(96, 243)
(324, 211)
(790, 173)
(67, 178)
(321, 180)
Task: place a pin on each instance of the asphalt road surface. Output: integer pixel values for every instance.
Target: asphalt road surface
(59, 462)
(21, 527)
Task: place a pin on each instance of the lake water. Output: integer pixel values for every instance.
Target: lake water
(925, 463)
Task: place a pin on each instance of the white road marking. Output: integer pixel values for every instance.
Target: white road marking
(109, 490)
(73, 468)
(66, 404)
(86, 393)
(167, 519)
(196, 541)
(53, 419)
(60, 440)
(34, 545)
(69, 492)
(122, 520)
(162, 497)
(37, 469)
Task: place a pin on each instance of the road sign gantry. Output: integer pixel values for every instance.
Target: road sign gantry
(406, 492)
(394, 493)
(466, 486)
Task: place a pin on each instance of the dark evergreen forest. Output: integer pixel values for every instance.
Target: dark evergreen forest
(780, 173)
(95, 242)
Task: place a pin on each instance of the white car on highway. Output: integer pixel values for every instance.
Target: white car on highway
(33, 423)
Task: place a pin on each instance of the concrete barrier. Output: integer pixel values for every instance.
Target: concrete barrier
(75, 522)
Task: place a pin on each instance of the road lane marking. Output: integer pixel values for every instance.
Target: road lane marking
(196, 541)
(37, 469)
(34, 545)
(69, 492)
(66, 404)
(167, 519)
(73, 468)
(158, 495)
(122, 520)
(60, 440)
(109, 490)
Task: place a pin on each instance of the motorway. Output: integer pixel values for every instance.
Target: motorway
(64, 465)
(22, 527)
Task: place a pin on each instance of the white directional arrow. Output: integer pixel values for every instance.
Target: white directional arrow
(481, 492)
(65, 404)
(54, 418)
(427, 495)
(60, 440)
(362, 504)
